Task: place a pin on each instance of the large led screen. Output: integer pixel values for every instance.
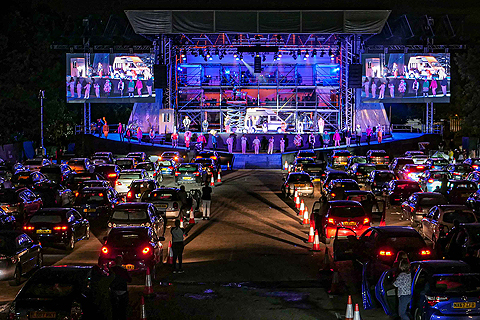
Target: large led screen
(110, 78)
(406, 77)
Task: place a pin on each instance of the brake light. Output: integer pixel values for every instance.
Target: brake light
(331, 221)
(385, 253)
(170, 168)
(146, 250)
(358, 173)
(112, 175)
(177, 173)
(335, 157)
(100, 194)
(475, 166)
(366, 221)
(176, 158)
(433, 300)
(430, 180)
(76, 194)
(28, 227)
(129, 194)
(213, 157)
(196, 173)
(198, 157)
(425, 252)
(419, 167)
(119, 183)
(104, 250)
(59, 228)
(333, 195)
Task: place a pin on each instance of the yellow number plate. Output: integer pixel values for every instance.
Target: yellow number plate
(44, 231)
(129, 266)
(349, 223)
(299, 185)
(42, 315)
(464, 305)
(187, 178)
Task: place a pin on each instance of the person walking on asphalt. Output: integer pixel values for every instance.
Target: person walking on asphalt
(177, 246)
(206, 201)
(119, 289)
(182, 196)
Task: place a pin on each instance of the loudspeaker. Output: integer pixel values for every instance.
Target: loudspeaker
(257, 66)
(355, 75)
(160, 74)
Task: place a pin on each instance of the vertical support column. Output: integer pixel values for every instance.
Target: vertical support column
(347, 95)
(429, 118)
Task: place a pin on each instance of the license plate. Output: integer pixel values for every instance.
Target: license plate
(316, 180)
(464, 305)
(162, 206)
(349, 223)
(187, 178)
(43, 315)
(89, 210)
(129, 266)
(299, 185)
(43, 231)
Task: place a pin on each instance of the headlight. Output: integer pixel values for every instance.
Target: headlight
(109, 224)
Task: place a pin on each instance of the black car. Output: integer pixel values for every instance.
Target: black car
(137, 214)
(298, 163)
(209, 165)
(106, 154)
(7, 221)
(140, 248)
(366, 198)
(473, 202)
(53, 194)
(333, 174)
(93, 183)
(340, 158)
(140, 187)
(209, 155)
(96, 202)
(463, 243)
(108, 171)
(20, 255)
(398, 164)
(19, 202)
(74, 181)
(354, 159)
(316, 171)
(57, 226)
(361, 171)
(190, 173)
(58, 173)
(399, 190)
(459, 171)
(56, 292)
(335, 188)
(377, 157)
(378, 180)
(27, 178)
(139, 156)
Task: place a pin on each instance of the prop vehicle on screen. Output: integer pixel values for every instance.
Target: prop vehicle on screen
(131, 67)
(425, 66)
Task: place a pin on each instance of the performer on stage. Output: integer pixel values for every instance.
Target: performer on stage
(244, 144)
(256, 144)
(271, 141)
(282, 145)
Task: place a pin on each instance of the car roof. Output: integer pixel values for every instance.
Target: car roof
(166, 188)
(144, 180)
(365, 164)
(428, 194)
(384, 171)
(404, 182)
(343, 181)
(358, 192)
(445, 207)
(134, 205)
(131, 171)
(93, 189)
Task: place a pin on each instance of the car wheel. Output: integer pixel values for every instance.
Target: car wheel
(87, 233)
(418, 315)
(17, 276)
(39, 260)
(71, 243)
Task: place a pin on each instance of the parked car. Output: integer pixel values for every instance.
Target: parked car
(299, 181)
(377, 157)
(139, 156)
(209, 155)
(473, 202)
(379, 179)
(126, 163)
(459, 171)
(109, 172)
(361, 171)
(209, 166)
(316, 171)
(58, 173)
(19, 202)
(7, 221)
(458, 191)
(333, 175)
(140, 248)
(80, 165)
(27, 178)
(56, 292)
(190, 173)
(74, 181)
(419, 204)
(149, 167)
(35, 164)
(462, 243)
(340, 158)
(140, 187)
(93, 183)
(399, 190)
(125, 179)
(419, 158)
(474, 177)
(410, 153)
(96, 202)
(439, 220)
(138, 214)
(57, 226)
(432, 180)
(20, 255)
(53, 194)
(298, 163)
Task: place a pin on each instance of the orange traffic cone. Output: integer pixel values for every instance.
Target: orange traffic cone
(148, 284)
(316, 242)
(334, 289)
(302, 208)
(311, 233)
(306, 216)
(212, 181)
(219, 178)
(192, 216)
(356, 314)
(228, 165)
(143, 314)
(349, 311)
(170, 253)
(285, 166)
(297, 202)
(295, 196)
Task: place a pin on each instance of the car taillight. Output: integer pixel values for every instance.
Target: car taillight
(198, 157)
(333, 195)
(433, 300)
(175, 205)
(475, 166)
(331, 221)
(430, 180)
(170, 168)
(385, 253)
(196, 173)
(358, 173)
(419, 167)
(119, 183)
(335, 157)
(213, 157)
(129, 194)
(287, 185)
(104, 250)
(366, 221)
(112, 175)
(425, 252)
(28, 228)
(146, 250)
(176, 158)
(59, 228)
(76, 194)
(177, 173)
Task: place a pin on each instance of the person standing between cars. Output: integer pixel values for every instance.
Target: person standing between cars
(206, 200)
(404, 284)
(358, 135)
(100, 285)
(119, 289)
(178, 235)
(244, 144)
(256, 144)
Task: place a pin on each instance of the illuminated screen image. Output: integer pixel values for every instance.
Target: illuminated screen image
(110, 78)
(406, 77)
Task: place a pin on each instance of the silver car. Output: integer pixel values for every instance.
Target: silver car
(165, 200)
(138, 214)
(125, 178)
(299, 181)
(149, 167)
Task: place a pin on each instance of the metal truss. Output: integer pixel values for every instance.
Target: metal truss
(87, 118)
(347, 95)
(398, 48)
(430, 110)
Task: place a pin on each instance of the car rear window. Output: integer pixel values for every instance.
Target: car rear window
(130, 215)
(76, 162)
(381, 176)
(461, 216)
(41, 218)
(90, 197)
(305, 161)
(164, 163)
(464, 284)
(307, 154)
(404, 242)
(347, 212)
(432, 201)
(188, 168)
(78, 178)
(345, 185)
(464, 168)
(439, 176)
(129, 176)
(205, 161)
(167, 195)
(146, 166)
(407, 186)
(127, 239)
(359, 160)
(366, 169)
(378, 154)
(124, 162)
(299, 178)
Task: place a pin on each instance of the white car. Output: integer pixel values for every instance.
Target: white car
(148, 166)
(125, 178)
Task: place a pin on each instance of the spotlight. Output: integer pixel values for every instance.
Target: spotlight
(279, 54)
(235, 55)
(208, 53)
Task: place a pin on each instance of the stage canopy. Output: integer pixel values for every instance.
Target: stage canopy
(154, 22)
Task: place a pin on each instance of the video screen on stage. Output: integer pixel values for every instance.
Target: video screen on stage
(110, 78)
(406, 77)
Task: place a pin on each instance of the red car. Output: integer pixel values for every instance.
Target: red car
(344, 213)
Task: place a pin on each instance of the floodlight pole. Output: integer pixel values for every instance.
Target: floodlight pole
(41, 96)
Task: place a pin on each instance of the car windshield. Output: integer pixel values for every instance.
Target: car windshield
(78, 178)
(463, 284)
(347, 212)
(169, 154)
(7, 244)
(146, 166)
(129, 176)
(105, 169)
(441, 175)
(127, 239)
(124, 162)
(307, 154)
(305, 161)
(379, 154)
(164, 195)
(8, 197)
(298, 178)
(188, 168)
(130, 214)
(43, 218)
(432, 201)
(461, 216)
(53, 284)
(359, 160)
(358, 197)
